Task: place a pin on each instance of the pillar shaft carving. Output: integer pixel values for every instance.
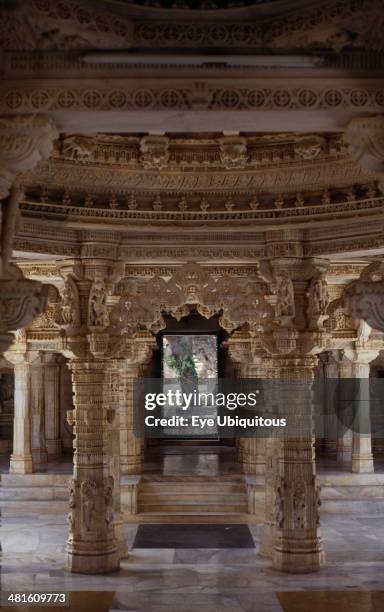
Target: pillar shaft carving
(91, 545)
(90, 344)
(246, 353)
(292, 339)
(137, 354)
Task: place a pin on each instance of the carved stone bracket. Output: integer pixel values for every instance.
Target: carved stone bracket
(21, 300)
(24, 140)
(365, 136)
(364, 298)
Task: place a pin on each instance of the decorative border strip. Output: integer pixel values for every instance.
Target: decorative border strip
(199, 96)
(306, 213)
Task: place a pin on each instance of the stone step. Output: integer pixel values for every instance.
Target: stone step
(33, 507)
(181, 506)
(353, 506)
(353, 492)
(192, 497)
(188, 517)
(34, 480)
(345, 479)
(34, 493)
(176, 488)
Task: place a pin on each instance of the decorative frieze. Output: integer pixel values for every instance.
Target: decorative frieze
(28, 99)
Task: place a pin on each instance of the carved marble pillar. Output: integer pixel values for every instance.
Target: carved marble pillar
(52, 367)
(37, 410)
(293, 338)
(362, 458)
(245, 353)
(298, 544)
(21, 458)
(91, 546)
(131, 455)
(135, 358)
(66, 406)
(331, 373)
(90, 342)
(113, 419)
(344, 438)
(253, 449)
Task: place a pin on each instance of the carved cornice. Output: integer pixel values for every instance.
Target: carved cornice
(175, 152)
(71, 25)
(221, 217)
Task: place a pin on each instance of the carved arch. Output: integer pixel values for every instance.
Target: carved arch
(239, 301)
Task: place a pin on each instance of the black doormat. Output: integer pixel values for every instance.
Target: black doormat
(193, 536)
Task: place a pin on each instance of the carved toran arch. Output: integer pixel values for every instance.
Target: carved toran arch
(239, 301)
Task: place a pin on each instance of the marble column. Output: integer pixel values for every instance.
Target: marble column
(253, 449)
(52, 366)
(113, 419)
(66, 406)
(293, 336)
(330, 376)
(362, 457)
(21, 458)
(38, 443)
(344, 439)
(298, 545)
(91, 546)
(131, 451)
(248, 363)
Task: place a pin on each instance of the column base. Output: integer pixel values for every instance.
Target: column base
(362, 465)
(21, 464)
(93, 563)
(54, 448)
(298, 556)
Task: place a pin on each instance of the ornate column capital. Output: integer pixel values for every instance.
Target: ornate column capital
(300, 296)
(84, 309)
(365, 136)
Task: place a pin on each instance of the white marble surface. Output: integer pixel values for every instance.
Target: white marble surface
(201, 580)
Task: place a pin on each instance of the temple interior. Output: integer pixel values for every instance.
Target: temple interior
(192, 189)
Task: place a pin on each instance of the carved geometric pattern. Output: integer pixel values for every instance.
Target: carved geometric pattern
(197, 97)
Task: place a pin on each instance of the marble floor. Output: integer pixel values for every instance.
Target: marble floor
(201, 580)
